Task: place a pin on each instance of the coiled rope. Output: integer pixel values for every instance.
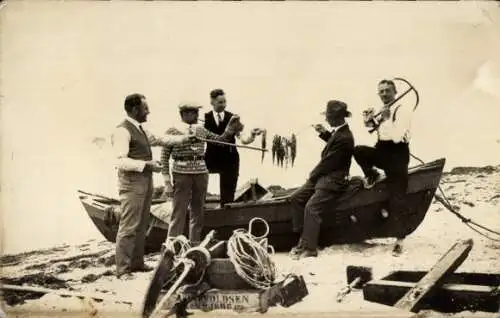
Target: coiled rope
(468, 222)
(250, 256)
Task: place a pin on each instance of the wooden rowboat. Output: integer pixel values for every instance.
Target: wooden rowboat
(356, 218)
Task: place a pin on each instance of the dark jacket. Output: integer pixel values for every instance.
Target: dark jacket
(333, 168)
(219, 157)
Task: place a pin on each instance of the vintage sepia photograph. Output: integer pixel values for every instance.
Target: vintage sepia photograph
(249, 158)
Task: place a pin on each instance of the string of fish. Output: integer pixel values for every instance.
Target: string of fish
(284, 150)
(251, 259)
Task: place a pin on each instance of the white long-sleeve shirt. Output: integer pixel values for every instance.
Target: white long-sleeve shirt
(121, 139)
(397, 130)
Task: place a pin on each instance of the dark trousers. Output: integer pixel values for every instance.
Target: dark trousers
(308, 202)
(228, 179)
(189, 191)
(136, 191)
(393, 159)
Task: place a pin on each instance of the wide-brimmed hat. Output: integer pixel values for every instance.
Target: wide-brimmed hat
(336, 107)
(189, 105)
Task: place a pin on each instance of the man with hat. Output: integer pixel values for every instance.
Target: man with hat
(391, 152)
(326, 182)
(189, 170)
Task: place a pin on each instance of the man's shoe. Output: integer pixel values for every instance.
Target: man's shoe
(144, 268)
(301, 252)
(296, 252)
(397, 250)
(125, 276)
(309, 253)
(371, 179)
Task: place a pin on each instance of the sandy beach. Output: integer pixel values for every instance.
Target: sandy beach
(66, 66)
(89, 267)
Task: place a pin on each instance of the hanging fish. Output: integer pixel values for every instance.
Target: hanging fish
(286, 150)
(275, 148)
(293, 148)
(263, 144)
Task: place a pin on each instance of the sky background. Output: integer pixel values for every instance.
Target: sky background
(67, 66)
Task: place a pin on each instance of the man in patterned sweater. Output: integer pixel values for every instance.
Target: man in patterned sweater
(189, 171)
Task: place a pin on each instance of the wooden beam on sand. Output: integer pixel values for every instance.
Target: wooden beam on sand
(64, 293)
(433, 280)
(450, 297)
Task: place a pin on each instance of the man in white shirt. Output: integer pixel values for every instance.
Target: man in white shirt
(391, 152)
(135, 167)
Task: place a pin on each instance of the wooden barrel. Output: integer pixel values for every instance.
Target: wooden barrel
(221, 274)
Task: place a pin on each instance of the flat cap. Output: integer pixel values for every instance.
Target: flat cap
(189, 105)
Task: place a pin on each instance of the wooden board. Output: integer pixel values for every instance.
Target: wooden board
(447, 264)
(64, 293)
(234, 300)
(449, 297)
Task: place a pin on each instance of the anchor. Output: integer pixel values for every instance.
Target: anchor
(171, 274)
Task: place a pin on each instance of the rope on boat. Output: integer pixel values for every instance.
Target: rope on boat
(250, 256)
(447, 204)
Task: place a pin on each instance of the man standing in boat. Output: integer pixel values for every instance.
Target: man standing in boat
(135, 174)
(326, 182)
(222, 159)
(391, 152)
(189, 171)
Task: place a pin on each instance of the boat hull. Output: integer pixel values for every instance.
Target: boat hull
(356, 216)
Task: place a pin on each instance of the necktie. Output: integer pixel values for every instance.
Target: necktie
(219, 119)
(142, 130)
(145, 135)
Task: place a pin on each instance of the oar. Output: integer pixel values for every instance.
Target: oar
(99, 196)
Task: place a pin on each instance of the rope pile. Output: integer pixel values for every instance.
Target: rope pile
(250, 256)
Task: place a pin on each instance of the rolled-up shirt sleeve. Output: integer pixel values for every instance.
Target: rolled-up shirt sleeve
(120, 141)
(204, 133)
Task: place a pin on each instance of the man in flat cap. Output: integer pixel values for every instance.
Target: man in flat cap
(326, 182)
(135, 167)
(189, 171)
(391, 152)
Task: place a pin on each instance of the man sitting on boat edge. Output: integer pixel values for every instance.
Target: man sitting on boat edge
(326, 182)
(391, 152)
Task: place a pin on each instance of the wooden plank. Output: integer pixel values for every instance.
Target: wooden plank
(41, 290)
(235, 300)
(448, 263)
(450, 297)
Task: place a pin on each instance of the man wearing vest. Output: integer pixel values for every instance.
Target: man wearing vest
(189, 171)
(326, 182)
(135, 169)
(391, 152)
(221, 159)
